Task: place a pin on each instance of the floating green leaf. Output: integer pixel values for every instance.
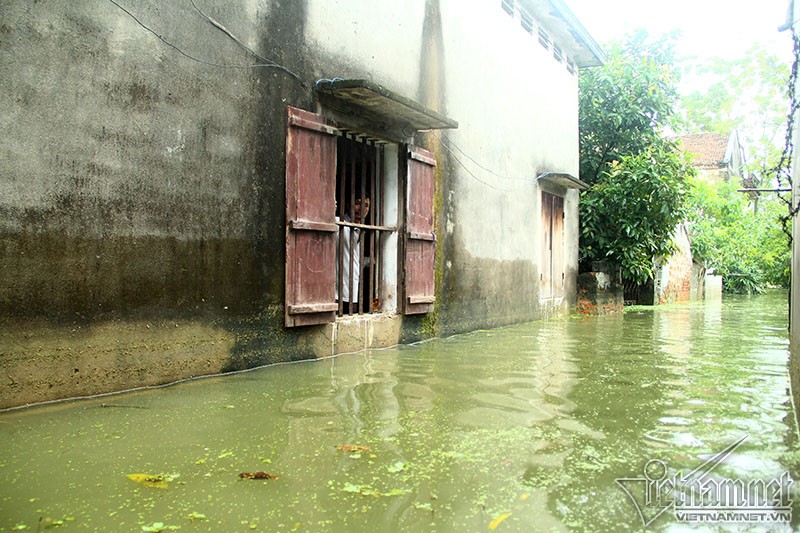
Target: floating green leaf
(156, 527)
(399, 466)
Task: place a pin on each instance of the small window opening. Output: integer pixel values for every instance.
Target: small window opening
(527, 21)
(544, 39)
(360, 186)
(508, 6)
(557, 53)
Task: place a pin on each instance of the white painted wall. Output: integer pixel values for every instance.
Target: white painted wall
(518, 116)
(380, 39)
(517, 108)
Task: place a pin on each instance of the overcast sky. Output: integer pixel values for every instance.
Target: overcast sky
(709, 28)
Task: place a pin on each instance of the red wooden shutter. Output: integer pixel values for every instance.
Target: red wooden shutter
(310, 219)
(420, 239)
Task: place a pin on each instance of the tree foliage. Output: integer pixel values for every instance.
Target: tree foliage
(747, 94)
(637, 175)
(630, 214)
(745, 246)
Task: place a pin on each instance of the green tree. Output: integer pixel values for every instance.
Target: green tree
(748, 249)
(636, 174)
(748, 94)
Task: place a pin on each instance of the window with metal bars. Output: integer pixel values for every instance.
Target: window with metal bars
(360, 192)
(343, 257)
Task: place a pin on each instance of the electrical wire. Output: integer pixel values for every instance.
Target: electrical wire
(445, 141)
(267, 64)
(487, 169)
(225, 30)
(472, 174)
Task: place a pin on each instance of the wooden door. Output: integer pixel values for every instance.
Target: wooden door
(552, 274)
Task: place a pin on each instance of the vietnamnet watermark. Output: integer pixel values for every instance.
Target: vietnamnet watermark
(697, 497)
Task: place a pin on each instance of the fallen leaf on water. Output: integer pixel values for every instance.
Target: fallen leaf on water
(194, 515)
(49, 523)
(351, 487)
(353, 448)
(149, 480)
(158, 527)
(396, 492)
(498, 520)
(399, 466)
(367, 490)
(258, 475)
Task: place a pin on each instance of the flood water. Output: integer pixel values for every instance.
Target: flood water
(524, 428)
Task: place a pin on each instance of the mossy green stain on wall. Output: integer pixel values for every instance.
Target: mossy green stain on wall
(431, 91)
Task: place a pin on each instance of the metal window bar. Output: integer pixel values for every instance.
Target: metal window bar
(351, 214)
(379, 199)
(341, 149)
(370, 220)
(363, 162)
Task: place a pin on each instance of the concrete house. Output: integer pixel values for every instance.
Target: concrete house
(198, 187)
(716, 156)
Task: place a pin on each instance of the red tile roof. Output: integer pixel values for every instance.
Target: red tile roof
(706, 149)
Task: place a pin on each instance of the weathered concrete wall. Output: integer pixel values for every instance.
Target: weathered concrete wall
(698, 284)
(142, 191)
(518, 111)
(673, 279)
(599, 294)
(713, 287)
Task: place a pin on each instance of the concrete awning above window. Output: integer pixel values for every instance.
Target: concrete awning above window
(378, 102)
(565, 180)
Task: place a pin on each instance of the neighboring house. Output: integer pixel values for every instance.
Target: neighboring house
(192, 190)
(676, 278)
(716, 156)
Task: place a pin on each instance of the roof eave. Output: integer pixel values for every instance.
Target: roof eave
(573, 36)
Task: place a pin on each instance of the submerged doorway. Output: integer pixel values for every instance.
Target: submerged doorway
(552, 275)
